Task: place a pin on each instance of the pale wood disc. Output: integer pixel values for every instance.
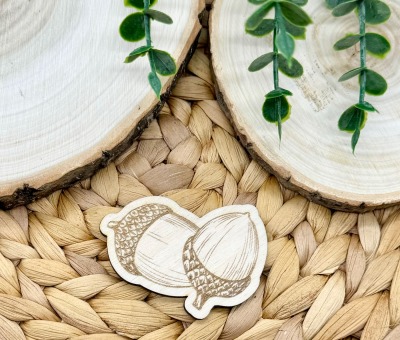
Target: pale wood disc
(314, 157)
(68, 103)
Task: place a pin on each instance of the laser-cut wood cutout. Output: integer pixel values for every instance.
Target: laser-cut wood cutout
(213, 260)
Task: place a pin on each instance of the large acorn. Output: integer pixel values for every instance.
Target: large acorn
(221, 256)
(149, 242)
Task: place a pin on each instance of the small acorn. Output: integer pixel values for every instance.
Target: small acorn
(149, 242)
(221, 256)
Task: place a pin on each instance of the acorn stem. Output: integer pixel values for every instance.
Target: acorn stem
(200, 301)
(112, 224)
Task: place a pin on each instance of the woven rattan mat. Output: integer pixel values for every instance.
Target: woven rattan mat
(329, 275)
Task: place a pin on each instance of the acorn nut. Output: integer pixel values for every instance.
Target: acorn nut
(149, 242)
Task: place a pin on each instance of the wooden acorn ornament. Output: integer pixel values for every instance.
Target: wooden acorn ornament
(203, 253)
(214, 260)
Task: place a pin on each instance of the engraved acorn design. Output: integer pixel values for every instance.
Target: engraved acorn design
(144, 237)
(213, 260)
(216, 266)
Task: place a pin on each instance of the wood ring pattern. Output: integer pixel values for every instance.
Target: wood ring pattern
(314, 157)
(68, 104)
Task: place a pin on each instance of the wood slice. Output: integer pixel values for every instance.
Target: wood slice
(68, 103)
(314, 157)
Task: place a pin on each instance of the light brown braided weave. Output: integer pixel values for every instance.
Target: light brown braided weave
(329, 275)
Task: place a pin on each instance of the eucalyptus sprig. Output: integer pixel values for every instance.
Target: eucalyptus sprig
(369, 12)
(136, 27)
(288, 24)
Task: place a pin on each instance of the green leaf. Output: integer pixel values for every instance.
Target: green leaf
(266, 26)
(366, 107)
(261, 62)
(256, 18)
(352, 119)
(376, 85)
(334, 3)
(376, 12)
(257, 2)
(131, 58)
(285, 44)
(347, 42)
(139, 52)
(132, 28)
(155, 83)
(297, 32)
(164, 63)
(276, 110)
(295, 14)
(139, 4)
(295, 70)
(377, 45)
(352, 73)
(354, 139)
(278, 93)
(270, 112)
(345, 8)
(159, 16)
(299, 2)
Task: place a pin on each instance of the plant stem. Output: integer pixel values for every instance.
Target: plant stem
(276, 69)
(363, 50)
(148, 34)
(199, 301)
(276, 61)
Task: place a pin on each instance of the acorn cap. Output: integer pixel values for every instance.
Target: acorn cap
(206, 284)
(130, 229)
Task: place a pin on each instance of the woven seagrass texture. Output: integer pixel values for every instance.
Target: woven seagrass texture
(328, 275)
